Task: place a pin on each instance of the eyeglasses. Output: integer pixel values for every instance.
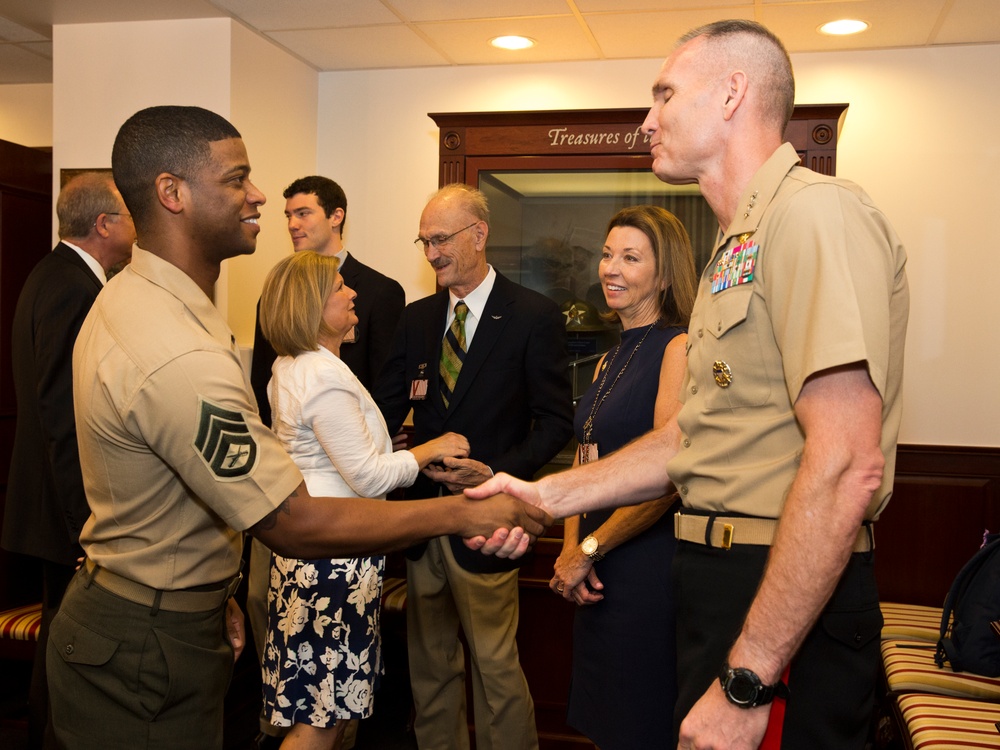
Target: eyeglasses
(440, 241)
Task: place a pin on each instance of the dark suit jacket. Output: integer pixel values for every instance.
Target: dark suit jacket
(46, 505)
(512, 400)
(379, 304)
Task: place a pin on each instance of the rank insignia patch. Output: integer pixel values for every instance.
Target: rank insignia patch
(224, 442)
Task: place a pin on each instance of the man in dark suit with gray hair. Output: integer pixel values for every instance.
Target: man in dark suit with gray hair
(46, 506)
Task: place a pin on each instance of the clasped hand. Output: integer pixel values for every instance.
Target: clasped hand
(575, 579)
(458, 474)
(505, 487)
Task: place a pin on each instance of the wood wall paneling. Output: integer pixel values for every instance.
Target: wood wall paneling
(25, 238)
(944, 498)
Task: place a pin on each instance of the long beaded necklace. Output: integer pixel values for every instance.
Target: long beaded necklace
(588, 449)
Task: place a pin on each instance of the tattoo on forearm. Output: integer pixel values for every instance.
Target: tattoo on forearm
(269, 521)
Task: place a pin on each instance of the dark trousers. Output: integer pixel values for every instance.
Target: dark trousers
(833, 675)
(123, 676)
(55, 579)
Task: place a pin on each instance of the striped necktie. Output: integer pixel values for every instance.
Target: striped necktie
(453, 351)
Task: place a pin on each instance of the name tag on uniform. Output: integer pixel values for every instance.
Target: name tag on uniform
(735, 266)
(418, 390)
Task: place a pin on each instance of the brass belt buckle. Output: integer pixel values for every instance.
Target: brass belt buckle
(727, 536)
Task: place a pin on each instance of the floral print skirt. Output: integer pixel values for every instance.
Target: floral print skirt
(322, 658)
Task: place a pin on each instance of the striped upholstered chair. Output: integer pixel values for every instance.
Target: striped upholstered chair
(19, 631)
(938, 722)
(910, 622)
(931, 707)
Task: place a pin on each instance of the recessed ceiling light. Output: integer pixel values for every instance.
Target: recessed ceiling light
(512, 42)
(843, 27)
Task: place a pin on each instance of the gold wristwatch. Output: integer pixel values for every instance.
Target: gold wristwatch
(589, 547)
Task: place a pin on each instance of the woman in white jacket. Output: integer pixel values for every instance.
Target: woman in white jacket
(322, 657)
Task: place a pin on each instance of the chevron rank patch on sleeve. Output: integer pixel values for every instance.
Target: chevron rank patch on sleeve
(224, 442)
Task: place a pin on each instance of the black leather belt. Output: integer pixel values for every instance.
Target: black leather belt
(171, 601)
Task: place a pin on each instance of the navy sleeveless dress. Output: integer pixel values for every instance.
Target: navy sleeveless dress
(624, 687)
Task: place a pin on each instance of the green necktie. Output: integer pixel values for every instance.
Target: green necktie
(453, 351)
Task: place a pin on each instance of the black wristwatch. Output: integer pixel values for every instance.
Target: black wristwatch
(744, 688)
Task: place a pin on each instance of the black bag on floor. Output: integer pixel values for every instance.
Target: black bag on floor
(972, 643)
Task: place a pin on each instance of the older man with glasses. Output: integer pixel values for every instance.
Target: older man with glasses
(486, 358)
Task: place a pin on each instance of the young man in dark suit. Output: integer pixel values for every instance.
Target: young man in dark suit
(46, 505)
(486, 358)
(316, 209)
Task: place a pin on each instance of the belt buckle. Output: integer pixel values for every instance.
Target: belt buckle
(233, 585)
(727, 536)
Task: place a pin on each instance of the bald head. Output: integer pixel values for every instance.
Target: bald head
(466, 197)
(454, 227)
(751, 47)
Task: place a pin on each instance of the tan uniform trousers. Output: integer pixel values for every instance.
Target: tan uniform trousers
(441, 596)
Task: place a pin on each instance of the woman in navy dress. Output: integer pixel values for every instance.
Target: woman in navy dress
(615, 564)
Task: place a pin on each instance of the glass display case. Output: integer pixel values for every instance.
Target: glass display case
(554, 179)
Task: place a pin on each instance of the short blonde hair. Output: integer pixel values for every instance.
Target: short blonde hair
(291, 305)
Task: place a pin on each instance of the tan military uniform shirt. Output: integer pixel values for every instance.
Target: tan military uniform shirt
(824, 287)
(175, 459)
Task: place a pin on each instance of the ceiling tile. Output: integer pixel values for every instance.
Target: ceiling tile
(730, 9)
(42, 49)
(449, 10)
(108, 11)
(267, 15)
(17, 65)
(650, 34)
(14, 32)
(892, 25)
(971, 21)
(356, 49)
(467, 42)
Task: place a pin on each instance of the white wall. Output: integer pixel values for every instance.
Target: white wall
(274, 106)
(916, 136)
(26, 114)
(377, 141)
(217, 64)
(920, 136)
(105, 72)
